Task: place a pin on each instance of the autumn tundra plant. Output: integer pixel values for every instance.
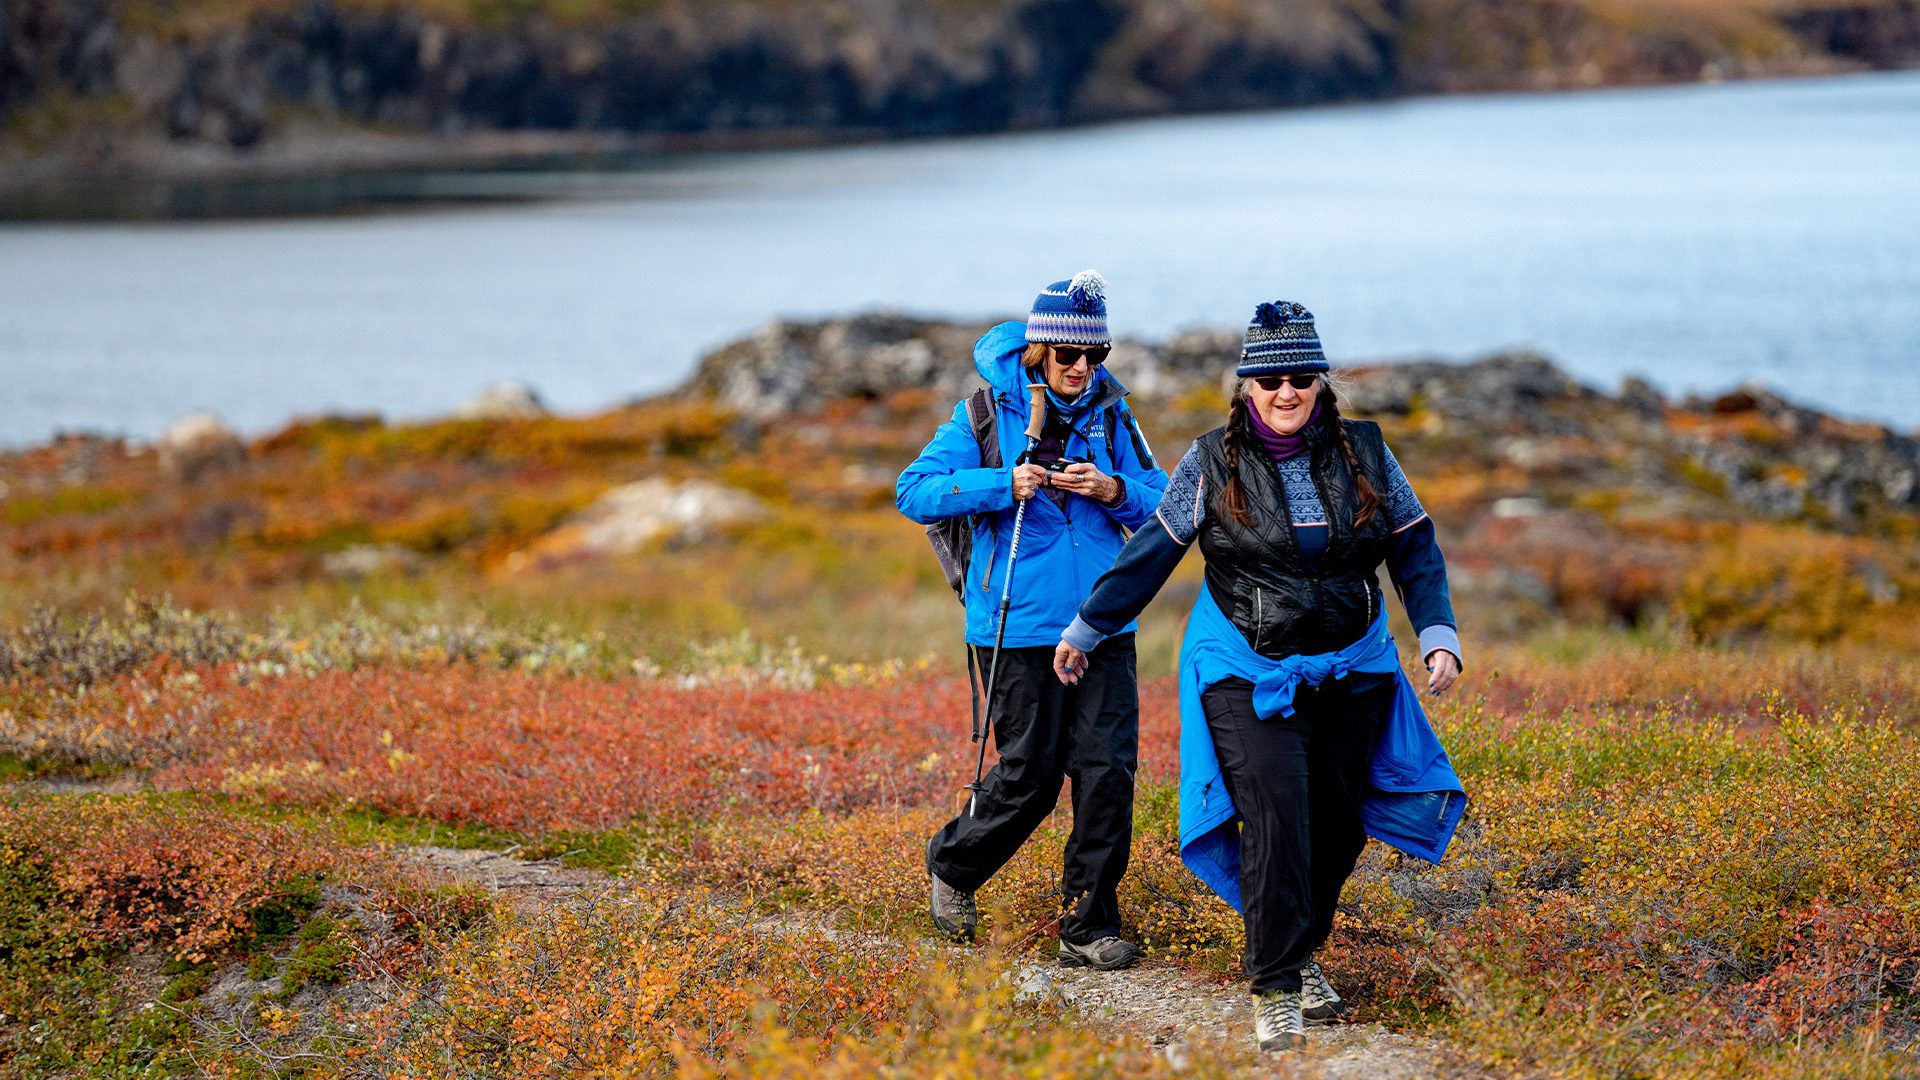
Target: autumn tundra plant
(1720, 868)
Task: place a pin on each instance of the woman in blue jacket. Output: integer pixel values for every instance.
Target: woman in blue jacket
(1289, 680)
(1076, 521)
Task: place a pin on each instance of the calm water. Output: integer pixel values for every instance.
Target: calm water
(1699, 235)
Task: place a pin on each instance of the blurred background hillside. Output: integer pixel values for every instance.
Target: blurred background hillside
(185, 87)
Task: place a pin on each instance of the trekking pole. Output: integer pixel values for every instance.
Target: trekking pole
(1036, 418)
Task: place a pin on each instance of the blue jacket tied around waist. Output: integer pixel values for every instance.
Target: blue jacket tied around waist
(1417, 802)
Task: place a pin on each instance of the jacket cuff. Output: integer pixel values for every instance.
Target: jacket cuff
(1440, 636)
(1081, 636)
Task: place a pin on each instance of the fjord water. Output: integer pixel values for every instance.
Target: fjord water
(1702, 236)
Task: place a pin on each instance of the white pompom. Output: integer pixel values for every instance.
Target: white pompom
(1087, 289)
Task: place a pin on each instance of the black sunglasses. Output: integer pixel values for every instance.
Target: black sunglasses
(1069, 355)
(1271, 383)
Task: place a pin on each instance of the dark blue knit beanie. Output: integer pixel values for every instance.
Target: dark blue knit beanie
(1071, 312)
(1280, 340)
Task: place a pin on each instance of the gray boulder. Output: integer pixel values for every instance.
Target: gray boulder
(198, 445)
(502, 401)
(635, 515)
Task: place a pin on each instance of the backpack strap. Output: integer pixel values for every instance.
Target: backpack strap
(1116, 416)
(980, 413)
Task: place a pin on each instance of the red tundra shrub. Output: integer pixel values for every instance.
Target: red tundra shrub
(144, 874)
(532, 753)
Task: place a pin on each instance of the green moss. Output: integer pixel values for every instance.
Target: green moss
(321, 958)
(189, 981)
(280, 916)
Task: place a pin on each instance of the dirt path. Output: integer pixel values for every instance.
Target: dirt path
(1158, 1002)
(1166, 1006)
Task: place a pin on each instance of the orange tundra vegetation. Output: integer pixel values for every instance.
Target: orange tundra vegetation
(1690, 739)
(1660, 872)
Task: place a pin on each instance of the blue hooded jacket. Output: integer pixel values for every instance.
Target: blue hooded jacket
(1063, 551)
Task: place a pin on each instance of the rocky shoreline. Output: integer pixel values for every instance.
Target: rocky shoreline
(105, 92)
(1749, 450)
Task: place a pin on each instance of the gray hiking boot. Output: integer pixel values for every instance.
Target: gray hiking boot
(954, 913)
(1106, 954)
(1277, 1024)
(1318, 1000)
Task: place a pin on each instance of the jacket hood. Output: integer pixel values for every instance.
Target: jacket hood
(997, 357)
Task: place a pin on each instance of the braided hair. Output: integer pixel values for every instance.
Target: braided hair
(1240, 436)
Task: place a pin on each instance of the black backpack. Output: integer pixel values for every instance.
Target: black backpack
(952, 538)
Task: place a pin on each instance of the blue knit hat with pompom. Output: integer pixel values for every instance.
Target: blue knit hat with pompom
(1280, 341)
(1071, 312)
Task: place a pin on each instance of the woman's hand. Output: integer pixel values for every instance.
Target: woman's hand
(1085, 478)
(1069, 663)
(1444, 668)
(1027, 479)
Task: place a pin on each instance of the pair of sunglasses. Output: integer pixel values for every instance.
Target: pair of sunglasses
(1271, 383)
(1069, 355)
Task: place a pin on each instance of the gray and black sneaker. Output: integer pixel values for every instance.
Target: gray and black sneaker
(1318, 1000)
(1106, 954)
(954, 913)
(1277, 1024)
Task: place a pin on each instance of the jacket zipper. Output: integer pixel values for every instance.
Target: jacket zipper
(1368, 586)
(986, 577)
(1259, 619)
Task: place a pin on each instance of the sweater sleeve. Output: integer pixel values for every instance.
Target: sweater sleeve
(1144, 565)
(1417, 567)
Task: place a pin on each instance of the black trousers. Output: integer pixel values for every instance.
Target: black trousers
(1298, 782)
(1047, 733)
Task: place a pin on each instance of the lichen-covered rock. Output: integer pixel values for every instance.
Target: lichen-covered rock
(635, 515)
(198, 445)
(502, 401)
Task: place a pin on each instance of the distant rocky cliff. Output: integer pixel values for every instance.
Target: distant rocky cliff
(86, 84)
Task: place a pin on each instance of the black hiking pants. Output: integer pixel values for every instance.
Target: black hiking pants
(1298, 782)
(1046, 733)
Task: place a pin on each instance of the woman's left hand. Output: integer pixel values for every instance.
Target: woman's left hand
(1069, 663)
(1443, 668)
(1085, 478)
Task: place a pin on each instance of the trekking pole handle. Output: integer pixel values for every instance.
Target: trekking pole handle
(1036, 413)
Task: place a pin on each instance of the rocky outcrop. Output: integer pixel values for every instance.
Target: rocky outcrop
(790, 367)
(85, 85)
(632, 516)
(1750, 450)
(688, 66)
(502, 401)
(198, 445)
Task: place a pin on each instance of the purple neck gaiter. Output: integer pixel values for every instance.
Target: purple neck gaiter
(1281, 447)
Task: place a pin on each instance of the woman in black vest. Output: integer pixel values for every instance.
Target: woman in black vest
(1294, 509)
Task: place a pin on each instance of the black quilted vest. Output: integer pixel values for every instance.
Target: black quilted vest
(1256, 572)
